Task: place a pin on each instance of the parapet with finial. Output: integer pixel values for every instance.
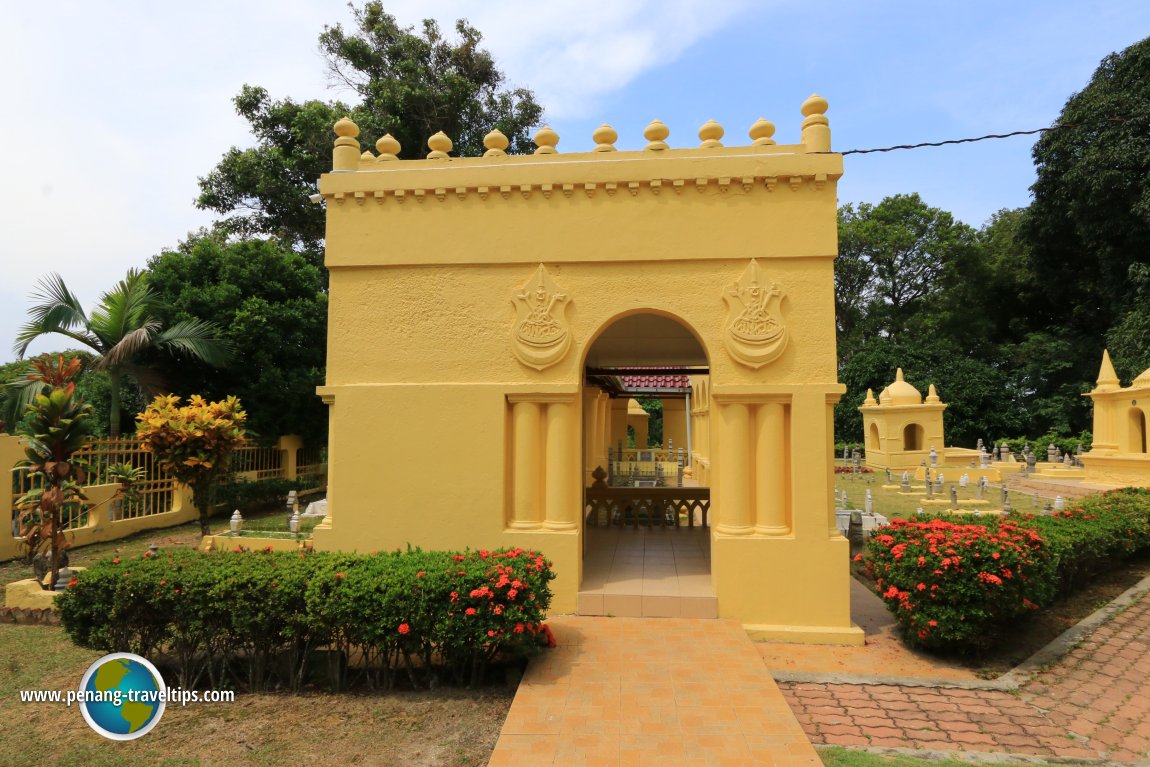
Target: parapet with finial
(655, 166)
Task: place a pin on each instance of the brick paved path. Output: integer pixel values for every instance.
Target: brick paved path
(1094, 703)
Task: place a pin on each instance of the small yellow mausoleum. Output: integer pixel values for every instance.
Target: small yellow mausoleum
(475, 302)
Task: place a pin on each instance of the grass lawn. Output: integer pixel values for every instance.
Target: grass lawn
(834, 756)
(420, 729)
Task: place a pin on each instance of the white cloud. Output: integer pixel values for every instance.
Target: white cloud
(572, 53)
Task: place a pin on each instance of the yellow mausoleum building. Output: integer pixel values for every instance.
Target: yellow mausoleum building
(1118, 456)
(473, 302)
(900, 429)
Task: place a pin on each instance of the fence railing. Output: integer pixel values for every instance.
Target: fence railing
(155, 495)
(650, 506)
(311, 469)
(259, 461)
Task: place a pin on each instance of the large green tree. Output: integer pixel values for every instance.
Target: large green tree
(408, 83)
(1129, 339)
(1090, 219)
(123, 332)
(271, 304)
(895, 260)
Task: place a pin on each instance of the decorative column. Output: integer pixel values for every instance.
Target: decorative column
(734, 462)
(329, 399)
(588, 435)
(604, 429)
(618, 421)
(771, 470)
(560, 455)
(675, 429)
(526, 465)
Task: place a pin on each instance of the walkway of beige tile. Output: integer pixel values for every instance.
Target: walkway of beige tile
(635, 691)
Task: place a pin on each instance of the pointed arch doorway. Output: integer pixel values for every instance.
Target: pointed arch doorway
(646, 533)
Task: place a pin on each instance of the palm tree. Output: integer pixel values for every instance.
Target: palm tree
(118, 331)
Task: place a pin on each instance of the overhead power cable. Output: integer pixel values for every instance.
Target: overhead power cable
(972, 140)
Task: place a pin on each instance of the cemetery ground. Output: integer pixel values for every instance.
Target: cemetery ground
(432, 729)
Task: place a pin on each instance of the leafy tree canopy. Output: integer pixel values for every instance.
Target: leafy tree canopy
(895, 258)
(123, 333)
(1090, 219)
(410, 84)
(272, 306)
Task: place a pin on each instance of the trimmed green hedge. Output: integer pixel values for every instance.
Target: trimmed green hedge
(956, 586)
(262, 619)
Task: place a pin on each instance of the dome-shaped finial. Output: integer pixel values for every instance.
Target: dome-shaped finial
(814, 105)
(816, 127)
(345, 155)
(545, 140)
(761, 132)
(870, 400)
(656, 134)
(932, 394)
(710, 134)
(902, 393)
(345, 127)
(387, 147)
(496, 143)
(605, 137)
(440, 145)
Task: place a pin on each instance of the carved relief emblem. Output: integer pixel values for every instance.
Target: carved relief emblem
(755, 333)
(541, 336)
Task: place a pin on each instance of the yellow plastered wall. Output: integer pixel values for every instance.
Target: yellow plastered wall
(458, 413)
(1118, 456)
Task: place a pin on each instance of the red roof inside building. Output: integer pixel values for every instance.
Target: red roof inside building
(656, 382)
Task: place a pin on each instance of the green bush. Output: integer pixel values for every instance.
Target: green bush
(258, 620)
(957, 586)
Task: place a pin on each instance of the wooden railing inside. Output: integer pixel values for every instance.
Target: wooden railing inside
(650, 506)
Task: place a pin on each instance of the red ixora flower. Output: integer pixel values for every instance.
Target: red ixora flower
(404, 629)
(72, 583)
(470, 611)
(339, 575)
(116, 561)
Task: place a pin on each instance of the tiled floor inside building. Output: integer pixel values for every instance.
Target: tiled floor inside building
(660, 572)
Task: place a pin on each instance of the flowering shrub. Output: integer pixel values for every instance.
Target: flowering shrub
(851, 470)
(956, 586)
(950, 584)
(257, 619)
(1097, 532)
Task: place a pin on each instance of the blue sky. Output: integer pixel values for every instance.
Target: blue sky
(116, 109)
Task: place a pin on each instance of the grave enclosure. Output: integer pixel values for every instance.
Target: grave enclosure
(470, 299)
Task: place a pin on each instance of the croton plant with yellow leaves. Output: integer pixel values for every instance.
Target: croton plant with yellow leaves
(193, 442)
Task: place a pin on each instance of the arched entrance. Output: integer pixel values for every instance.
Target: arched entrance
(912, 437)
(646, 534)
(1137, 431)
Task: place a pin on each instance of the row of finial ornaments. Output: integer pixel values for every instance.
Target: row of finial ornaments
(815, 134)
